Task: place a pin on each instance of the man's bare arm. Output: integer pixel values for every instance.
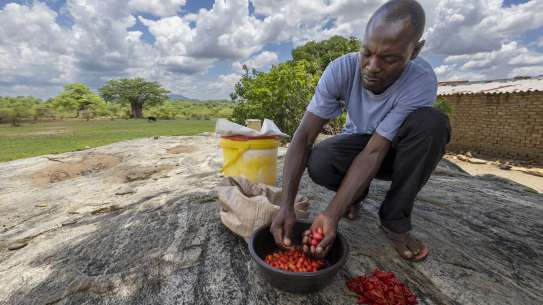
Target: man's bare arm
(295, 160)
(363, 169)
(359, 175)
(297, 154)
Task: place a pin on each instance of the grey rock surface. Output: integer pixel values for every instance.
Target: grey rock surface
(137, 222)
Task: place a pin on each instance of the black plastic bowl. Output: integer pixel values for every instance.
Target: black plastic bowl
(262, 244)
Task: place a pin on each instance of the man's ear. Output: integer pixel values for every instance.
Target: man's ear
(417, 49)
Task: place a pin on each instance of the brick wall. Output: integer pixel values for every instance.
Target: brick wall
(501, 125)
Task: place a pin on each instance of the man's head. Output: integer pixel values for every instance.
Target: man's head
(391, 40)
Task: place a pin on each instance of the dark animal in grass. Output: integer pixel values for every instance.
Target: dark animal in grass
(151, 119)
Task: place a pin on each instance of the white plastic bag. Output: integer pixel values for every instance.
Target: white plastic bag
(224, 127)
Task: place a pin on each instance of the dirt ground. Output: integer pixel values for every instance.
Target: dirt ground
(59, 170)
(514, 174)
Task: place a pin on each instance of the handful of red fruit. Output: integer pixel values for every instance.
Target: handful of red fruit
(294, 260)
(312, 239)
(381, 288)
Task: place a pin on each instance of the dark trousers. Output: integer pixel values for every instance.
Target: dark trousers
(414, 154)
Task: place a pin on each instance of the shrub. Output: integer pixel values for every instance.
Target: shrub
(13, 109)
(282, 94)
(443, 105)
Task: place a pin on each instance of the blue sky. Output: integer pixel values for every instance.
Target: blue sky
(197, 47)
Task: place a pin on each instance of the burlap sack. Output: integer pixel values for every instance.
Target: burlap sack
(246, 206)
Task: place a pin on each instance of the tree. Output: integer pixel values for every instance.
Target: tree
(165, 111)
(43, 110)
(282, 94)
(116, 110)
(80, 99)
(323, 52)
(13, 109)
(134, 92)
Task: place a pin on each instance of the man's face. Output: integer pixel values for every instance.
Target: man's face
(386, 50)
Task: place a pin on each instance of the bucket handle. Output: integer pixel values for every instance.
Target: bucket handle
(233, 160)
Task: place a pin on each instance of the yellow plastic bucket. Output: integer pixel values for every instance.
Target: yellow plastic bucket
(251, 158)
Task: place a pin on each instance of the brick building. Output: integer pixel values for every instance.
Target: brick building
(502, 118)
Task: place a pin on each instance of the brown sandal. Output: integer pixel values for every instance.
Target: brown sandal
(407, 246)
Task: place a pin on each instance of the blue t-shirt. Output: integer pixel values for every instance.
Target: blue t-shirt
(367, 112)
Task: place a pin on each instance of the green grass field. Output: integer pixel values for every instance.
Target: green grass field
(34, 139)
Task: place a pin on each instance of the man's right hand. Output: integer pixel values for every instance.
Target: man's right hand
(293, 169)
(282, 226)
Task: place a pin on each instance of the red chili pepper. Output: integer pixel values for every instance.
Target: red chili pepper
(381, 288)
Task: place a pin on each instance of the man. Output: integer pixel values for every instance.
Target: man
(392, 132)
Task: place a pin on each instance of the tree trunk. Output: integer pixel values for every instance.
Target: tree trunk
(137, 110)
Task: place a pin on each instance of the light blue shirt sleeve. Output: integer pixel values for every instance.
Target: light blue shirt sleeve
(325, 101)
(422, 93)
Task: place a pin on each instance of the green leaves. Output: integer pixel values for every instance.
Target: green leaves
(78, 98)
(135, 92)
(282, 94)
(322, 53)
(191, 110)
(13, 109)
(443, 105)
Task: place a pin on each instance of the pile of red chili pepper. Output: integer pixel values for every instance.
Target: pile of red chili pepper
(381, 288)
(294, 260)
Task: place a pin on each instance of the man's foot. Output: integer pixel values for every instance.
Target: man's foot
(408, 247)
(353, 213)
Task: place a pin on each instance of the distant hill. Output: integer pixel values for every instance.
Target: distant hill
(181, 97)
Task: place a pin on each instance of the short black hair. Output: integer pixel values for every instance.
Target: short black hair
(396, 10)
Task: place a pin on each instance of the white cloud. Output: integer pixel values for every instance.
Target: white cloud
(483, 30)
(527, 71)
(226, 31)
(305, 20)
(510, 60)
(173, 35)
(157, 7)
(185, 65)
(31, 50)
(37, 52)
(262, 60)
(469, 27)
(36, 26)
(226, 82)
(102, 46)
(480, 39)
(170, 32)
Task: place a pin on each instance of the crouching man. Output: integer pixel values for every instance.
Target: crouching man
(392, 132)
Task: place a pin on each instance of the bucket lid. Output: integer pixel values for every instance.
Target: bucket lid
(247, 138)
